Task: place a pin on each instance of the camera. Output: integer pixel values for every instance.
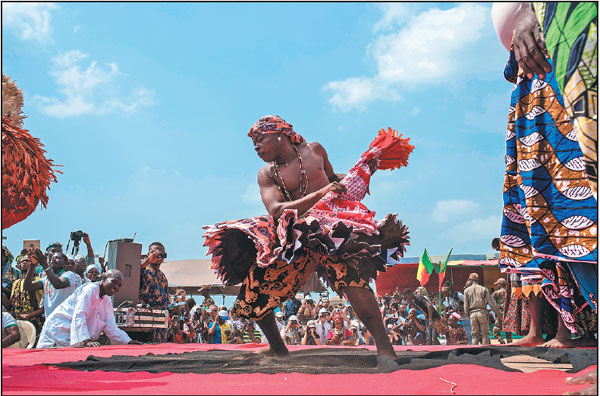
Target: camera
(76, 235)
(162, 255)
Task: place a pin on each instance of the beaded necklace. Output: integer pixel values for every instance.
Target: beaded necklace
(281, 184)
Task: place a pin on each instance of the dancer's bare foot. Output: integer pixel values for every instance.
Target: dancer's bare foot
(588, 378)
(268, 351)
(529, 340)
(387, 364)
(559, 343)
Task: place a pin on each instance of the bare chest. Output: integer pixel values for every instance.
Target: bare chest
(296, 174)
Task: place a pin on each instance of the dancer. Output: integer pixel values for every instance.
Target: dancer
(317, 223)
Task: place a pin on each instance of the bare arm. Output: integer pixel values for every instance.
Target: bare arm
(12, 336)
(274, 202)
(6, 302)
(28, 283)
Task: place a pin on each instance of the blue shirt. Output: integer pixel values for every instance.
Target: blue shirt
(216, 338)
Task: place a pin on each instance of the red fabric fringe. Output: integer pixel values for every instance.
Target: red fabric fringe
(395, 150)
(26, 174)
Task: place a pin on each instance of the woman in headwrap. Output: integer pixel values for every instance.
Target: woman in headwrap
(92, 273)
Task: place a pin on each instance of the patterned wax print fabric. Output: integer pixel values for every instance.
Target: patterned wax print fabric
(25, 302)
(339, 238)
(549, 210)
(154, 288)
(275, 124)
(570, 30)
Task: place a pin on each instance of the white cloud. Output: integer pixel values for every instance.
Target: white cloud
(90, 90)
(423, 49)
(453, 209)
(29, 21)
(476, 229)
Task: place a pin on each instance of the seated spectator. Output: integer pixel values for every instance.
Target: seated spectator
(366, 338)
(250, 333)
(354, 336)
(421, 302)
(10, 330)
(292, 332)
(415, 328)
(26, 305)
(58, 284)
(310, 335)
(91, 274)
(339, 335)
(79, 320)
(455, 334)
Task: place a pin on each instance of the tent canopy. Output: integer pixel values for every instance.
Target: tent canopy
(191, 275)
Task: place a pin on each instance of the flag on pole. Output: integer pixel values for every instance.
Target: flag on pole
(425, 269)
(442, 269)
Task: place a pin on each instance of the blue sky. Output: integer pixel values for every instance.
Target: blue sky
(147, 106)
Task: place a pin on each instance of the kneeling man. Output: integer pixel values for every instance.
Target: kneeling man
(79, 320)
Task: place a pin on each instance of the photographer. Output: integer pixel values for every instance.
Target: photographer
(292, 332)
(339, 335)
(250, 333)
(154, 285)
(307, 311)
(310, 335)
(415, 328)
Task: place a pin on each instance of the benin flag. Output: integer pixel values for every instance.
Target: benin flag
(442, 270)
(425, 269)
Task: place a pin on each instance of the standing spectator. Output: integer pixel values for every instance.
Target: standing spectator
(366, 338)
(339, 335)
(208, 301)
(450, 298)
(307, 311)
(79, 320)
(154, 285)
(80, 267)
(9, 273)
(431, 315)
(57, 285)
(279, 320)
(323, 324)
(225, 326)
(23, 304)
(310, 335)
(10, 330)
(292, 332)
(291, 307)
(92, 273)
(477, 298)
(214, 329)
(499, 297)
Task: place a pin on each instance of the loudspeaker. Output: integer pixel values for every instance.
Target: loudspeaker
(126, 257)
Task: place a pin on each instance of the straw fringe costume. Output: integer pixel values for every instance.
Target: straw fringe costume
(338, 237)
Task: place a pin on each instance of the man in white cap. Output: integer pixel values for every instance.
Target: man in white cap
(477, 298)
(292, 332)
(279, 320)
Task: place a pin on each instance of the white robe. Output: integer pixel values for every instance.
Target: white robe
(82, 316)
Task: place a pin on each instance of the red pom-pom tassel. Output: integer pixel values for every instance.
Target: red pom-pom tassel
(394, 149)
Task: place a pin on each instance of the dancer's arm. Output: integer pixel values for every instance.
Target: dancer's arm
(275, 203)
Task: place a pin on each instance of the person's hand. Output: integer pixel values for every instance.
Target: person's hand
(529, 46)
(91, 344)
(134, 342)
(24, 316)
(37, 257)
(86, 239)
(372, 165)
(101, 260)
(335, 187)
(153, 257)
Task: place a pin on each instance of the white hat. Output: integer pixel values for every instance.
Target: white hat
(223, 314)
(311, 323)
(279, 314)
(293, 317)
(323, 310)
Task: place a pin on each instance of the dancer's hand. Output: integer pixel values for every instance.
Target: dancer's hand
(528, 45)
(335, 187)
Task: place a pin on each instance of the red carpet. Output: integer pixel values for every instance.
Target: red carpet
(24, 373)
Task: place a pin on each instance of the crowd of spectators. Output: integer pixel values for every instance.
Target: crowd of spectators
(36, 283)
